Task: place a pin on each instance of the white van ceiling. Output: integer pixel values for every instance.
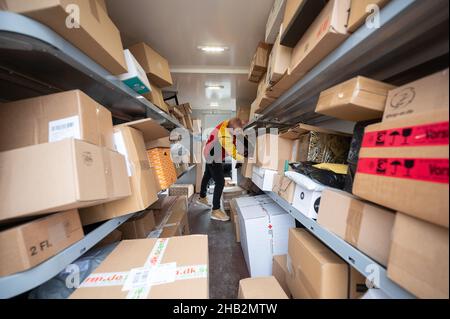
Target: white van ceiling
(176, 28)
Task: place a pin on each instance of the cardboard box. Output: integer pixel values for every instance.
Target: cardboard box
(138, 227)
(96, 36)
(359, 99)
(366, 226)
(42, 119)
(27, 245)
(243, 113)
(179, 271)
(157, 98)
(235, 219)
(247, 169)
(357, 287)
(162, 207)
(360, 10)
(117, 181)
(279, 61)
(285, 188)
(324, 35)
(161, 161)
(182, 190)
(403, 165)
(130, 139)
(298, 17)
(135, 78)
(314, 271)
(318, 145)
(264, 234)
(410, 99)
(264, 178)
(156, 67)
(273, 151)
(279, 271)
(177, 224)
(419, 257)
(230, 193)
(258, 66)
(307, 195)
(261, 288)
(113, 237)
(51, 177)
(274, 21)
(261, 103)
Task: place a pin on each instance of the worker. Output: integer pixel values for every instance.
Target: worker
(220, 144)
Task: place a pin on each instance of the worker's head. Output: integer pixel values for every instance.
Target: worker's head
(235, 123)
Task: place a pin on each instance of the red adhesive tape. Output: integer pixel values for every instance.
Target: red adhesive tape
(423, 135)
(429, 170)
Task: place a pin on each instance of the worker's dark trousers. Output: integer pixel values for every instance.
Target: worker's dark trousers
(214, 171)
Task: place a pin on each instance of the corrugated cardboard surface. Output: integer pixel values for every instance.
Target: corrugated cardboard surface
(285, 188)
(424, 95)
(139, 227)
(156, 97)
(358, 286)
(315, 271)
(130, 254)
(182, 190)
(31, 120)
(258, 65)
(421, 199)
(51, 177)
(326, 33)
(156, 67)
(279, 61)
(261, 288)
(235, 219)
(144, 186)
(358, 12)
(364, 225)
(28, 245)
(170, 214)
(117, 181)
(97, 35)
(161, 161)
(419, 257)
(273, 151)
(279, 271)
(359, 99)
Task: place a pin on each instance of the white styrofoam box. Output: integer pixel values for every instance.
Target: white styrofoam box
(263, 178)
(275, 20)
(136, 79)
(253, 201)
(307, 194)
(264, 230)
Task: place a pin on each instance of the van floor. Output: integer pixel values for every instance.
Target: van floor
(226, 260)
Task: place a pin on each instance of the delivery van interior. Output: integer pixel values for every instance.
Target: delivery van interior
(224, 149)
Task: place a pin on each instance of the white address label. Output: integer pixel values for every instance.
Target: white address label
(68, 127)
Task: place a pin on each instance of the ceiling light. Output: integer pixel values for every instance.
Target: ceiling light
(212, 49)
(215, 87)
(214, 104)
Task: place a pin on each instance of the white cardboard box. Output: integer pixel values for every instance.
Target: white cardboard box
(264, 232)
(275, 20)
(254, 200)
(307, 195)
(135, 79)
(263, 178)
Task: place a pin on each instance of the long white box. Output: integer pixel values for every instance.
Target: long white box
(275, 20)
(263, 178)
(264, 230)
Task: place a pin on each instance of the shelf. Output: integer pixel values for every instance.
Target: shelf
(411, 33)
(22, 282)
(347, 252)
(37, 61)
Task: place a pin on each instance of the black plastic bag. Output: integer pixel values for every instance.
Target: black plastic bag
(322, 176)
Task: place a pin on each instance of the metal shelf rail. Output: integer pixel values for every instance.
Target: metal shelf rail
(16, 284)
(411, 32)
(36, 61)
(347, 252)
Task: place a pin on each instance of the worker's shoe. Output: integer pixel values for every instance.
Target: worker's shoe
(220, 215)
(203, 201)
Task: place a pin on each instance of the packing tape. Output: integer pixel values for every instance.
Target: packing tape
(354, 219)
(421, 169)
(420, 135)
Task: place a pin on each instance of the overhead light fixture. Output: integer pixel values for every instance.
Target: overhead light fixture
(212, 49)
(214, 104)
(215, 87)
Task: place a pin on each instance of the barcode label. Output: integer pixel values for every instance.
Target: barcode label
(137, 277)
(64, 128)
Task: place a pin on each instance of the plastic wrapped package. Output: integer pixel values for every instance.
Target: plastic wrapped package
(56, 288)
(323, 176)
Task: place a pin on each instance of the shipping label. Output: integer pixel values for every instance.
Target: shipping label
(68, 127)
(105, 279)
(422, 135)
(428, 170)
